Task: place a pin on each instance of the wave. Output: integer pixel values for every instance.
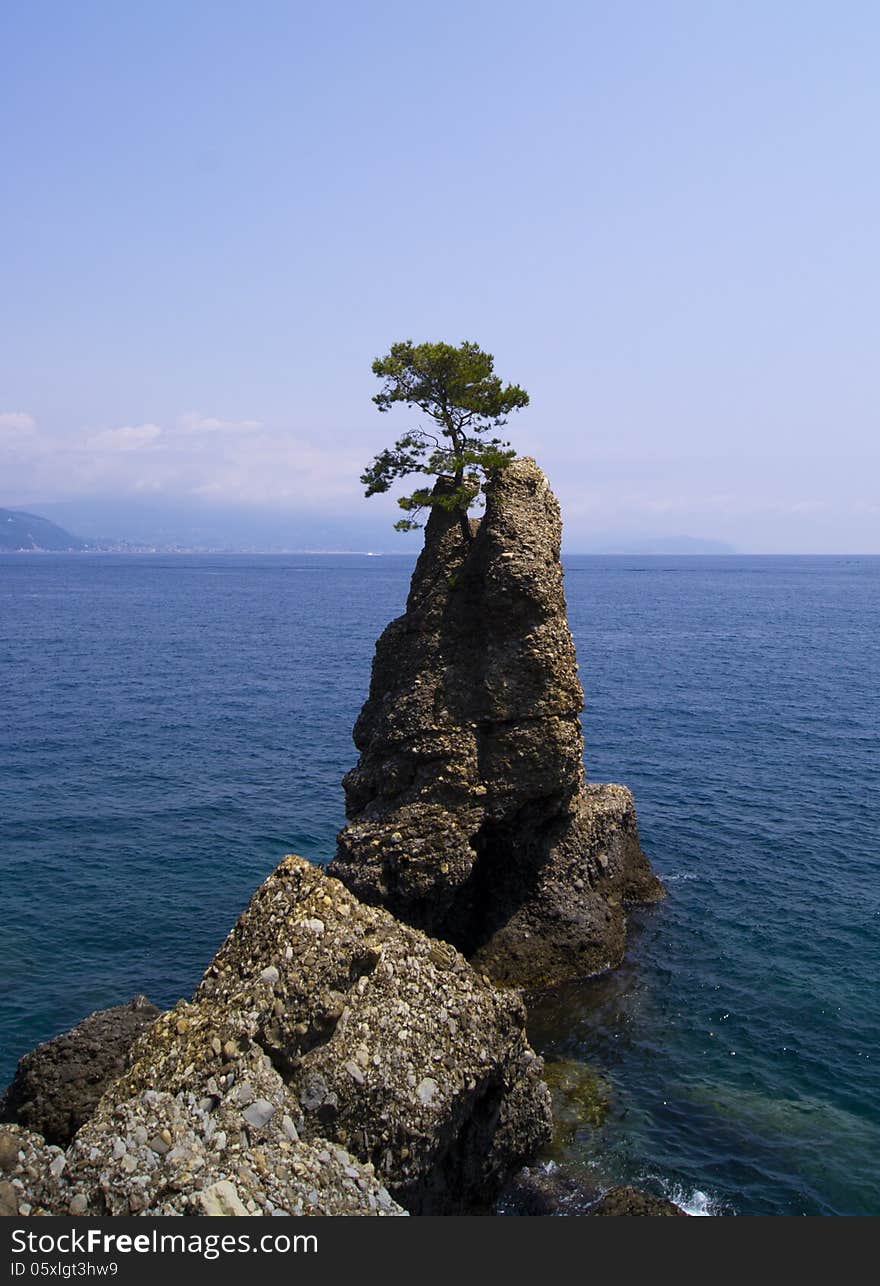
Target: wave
(694, 1203)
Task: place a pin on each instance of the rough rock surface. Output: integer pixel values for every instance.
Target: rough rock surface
(469, 812)
(162, 1154)
(158, 1154)
(57, 1085)
(30, 1172)
(330, 1054)
(632, 1201)
(329, 1019)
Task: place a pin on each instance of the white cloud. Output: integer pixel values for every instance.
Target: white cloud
(277, 467)
(131, 437)
(771, 504)
(230, 461)
(13, 423)
(194, 422)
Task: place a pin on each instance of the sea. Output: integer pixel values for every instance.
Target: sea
(172, 725)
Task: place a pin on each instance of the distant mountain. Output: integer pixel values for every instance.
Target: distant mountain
(120, 524)
(195, 523)
(23, 531)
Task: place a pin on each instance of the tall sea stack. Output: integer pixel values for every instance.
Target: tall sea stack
(470, 815)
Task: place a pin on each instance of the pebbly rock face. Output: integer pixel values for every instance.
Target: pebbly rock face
(325, 1025)
(162, 1154)
(332, 1061)
(188, 1153)
(57, 1085)
(470, 816)
(30, 1170)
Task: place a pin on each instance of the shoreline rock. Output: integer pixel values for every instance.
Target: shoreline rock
(331, 1061)
(628, 1201)
(57, 1085)
(385, 1043)
(550, 1192)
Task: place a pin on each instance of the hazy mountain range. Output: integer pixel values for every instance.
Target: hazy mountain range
(118, 524)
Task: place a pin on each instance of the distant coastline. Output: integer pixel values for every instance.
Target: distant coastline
(212, 550)
(24, 532)
(260, 552)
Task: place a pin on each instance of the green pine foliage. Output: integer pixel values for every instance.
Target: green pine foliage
(464, 400)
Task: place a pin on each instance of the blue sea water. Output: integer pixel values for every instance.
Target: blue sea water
(172, 725)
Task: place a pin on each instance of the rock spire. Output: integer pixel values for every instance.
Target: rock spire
(469, 813)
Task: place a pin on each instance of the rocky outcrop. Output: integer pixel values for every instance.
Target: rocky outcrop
(332, 1061)
(470, 816)
(57, 1086)
(366, 1034)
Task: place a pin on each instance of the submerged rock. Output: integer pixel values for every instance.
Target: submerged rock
(470, 816)
(326, 1021)
(546, 1190)
(632, 1201)
(581, 1097)
(57, 1085)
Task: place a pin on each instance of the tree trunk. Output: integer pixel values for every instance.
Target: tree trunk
(463, 520)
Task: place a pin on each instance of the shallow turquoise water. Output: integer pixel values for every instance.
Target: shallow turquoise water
(174, 725)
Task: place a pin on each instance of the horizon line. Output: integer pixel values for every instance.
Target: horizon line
(194, 550)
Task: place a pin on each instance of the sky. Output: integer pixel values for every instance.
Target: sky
(661, 218)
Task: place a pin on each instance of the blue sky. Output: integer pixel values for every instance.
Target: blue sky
(660, 217)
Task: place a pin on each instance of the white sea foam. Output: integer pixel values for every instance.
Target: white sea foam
(693, 1203)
